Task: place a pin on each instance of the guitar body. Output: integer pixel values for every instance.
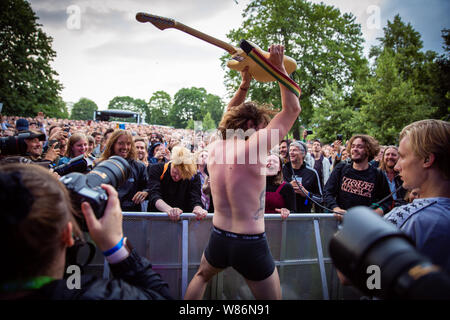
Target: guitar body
(240, 59)
(257, 72)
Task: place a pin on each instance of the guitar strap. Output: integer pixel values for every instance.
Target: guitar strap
(269, 67)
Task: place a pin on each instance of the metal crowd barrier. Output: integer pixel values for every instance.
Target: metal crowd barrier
(298, 244)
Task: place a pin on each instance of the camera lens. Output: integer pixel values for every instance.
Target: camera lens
(113, 171)
(12, 145)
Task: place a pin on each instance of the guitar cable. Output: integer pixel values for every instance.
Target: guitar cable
(372, 206)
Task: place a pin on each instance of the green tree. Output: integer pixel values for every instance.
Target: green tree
(208, 122)
(188, 104)
(129, 104)
(441, 80)
(27, 79)
(326, 44)
(389, 102)
(83, 109)
(214, 106)
(190, 124)
(427, 71)
(333, 115)
(159, 106)
(58, 110)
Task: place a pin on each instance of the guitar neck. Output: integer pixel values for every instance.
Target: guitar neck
(219, 43)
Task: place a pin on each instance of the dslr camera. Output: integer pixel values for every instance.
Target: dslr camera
(367, 242)
(16, 145)
(86, 187)
(77, 164)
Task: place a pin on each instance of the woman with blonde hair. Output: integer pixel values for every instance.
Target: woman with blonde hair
(174, 187)
(134, 190)
(76, 146)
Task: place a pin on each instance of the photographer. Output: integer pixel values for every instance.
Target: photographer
(28, 145)
(39, 227)
(134, 191)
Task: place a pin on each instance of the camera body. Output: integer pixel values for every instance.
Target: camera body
(339, 137)
(113, 171)
(78, 164)
(14, 145)
(81, 191)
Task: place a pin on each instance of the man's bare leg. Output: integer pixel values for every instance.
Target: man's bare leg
(197, 286)
(267, 289)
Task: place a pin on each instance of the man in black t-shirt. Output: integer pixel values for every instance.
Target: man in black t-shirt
(357, 183)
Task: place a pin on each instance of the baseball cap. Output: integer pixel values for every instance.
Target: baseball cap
(32, 134)
(22, 124)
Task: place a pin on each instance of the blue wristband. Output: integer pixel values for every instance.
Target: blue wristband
(113, 249)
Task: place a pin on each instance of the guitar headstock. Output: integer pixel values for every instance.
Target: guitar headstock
(159, 22)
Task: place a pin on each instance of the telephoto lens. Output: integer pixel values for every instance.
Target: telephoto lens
(114, 171)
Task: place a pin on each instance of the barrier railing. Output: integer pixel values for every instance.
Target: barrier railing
(298, 244)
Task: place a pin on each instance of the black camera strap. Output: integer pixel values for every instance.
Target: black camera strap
(72, 254)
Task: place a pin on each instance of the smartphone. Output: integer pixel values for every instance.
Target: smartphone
(339, 137)
(309, 132)
(52, 142)
(66, 129)
(297, 178)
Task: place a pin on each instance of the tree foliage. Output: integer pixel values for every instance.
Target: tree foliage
(333, 115)
(326, 44)
(130, 104)
(404, 85)
(428, 73)
(27, 81)
(83, 109)
(208, 122)
(389, 102)
(159, 106)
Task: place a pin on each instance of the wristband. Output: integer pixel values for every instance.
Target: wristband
(306, 200)
(118, 256)
(114, 249)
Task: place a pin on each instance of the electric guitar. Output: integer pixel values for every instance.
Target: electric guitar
(239, 58)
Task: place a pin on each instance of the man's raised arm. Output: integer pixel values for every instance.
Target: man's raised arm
(241, 93)
(283, 121)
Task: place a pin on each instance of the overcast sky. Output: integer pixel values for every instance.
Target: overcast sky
(103, 52)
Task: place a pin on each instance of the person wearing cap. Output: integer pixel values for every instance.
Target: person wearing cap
(303, 178)
(34, 142)
(22, 125)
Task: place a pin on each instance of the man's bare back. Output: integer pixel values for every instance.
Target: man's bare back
(235, 167)
(238, 189)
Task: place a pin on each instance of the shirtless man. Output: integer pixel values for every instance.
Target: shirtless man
(238, 189)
